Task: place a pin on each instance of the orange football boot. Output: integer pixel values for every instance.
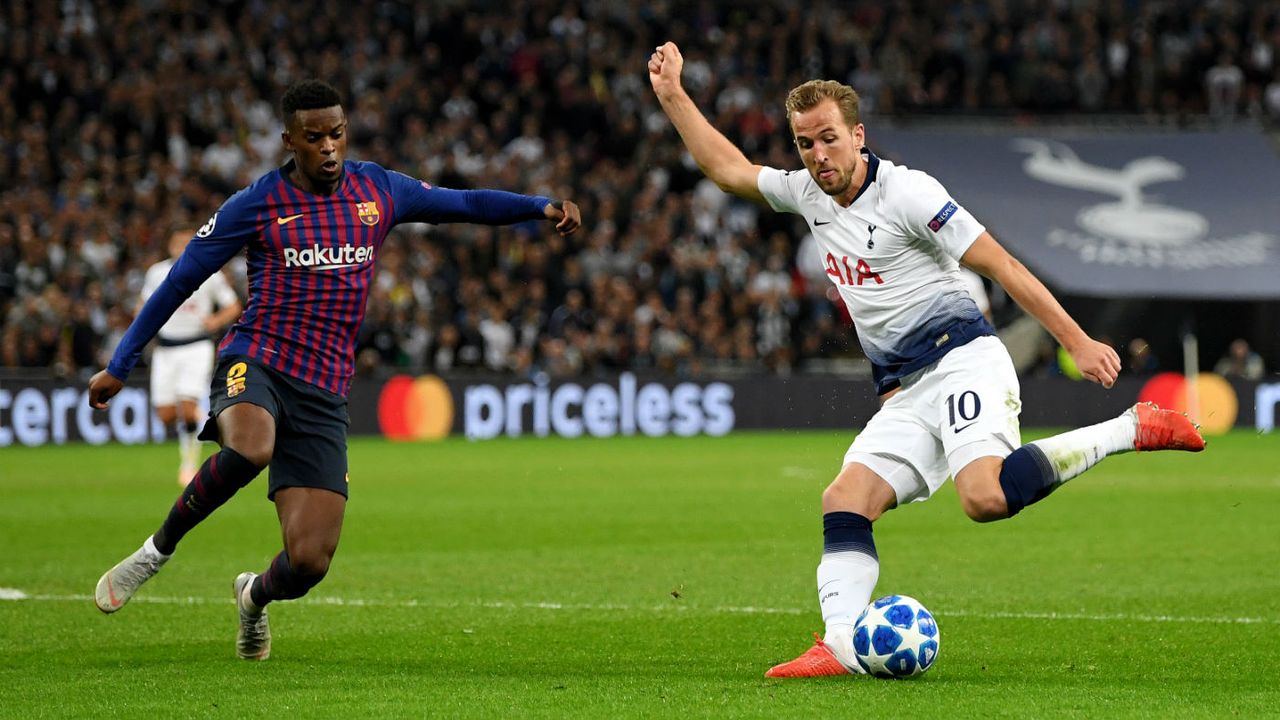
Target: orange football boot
(817, 661)
(1165, 430)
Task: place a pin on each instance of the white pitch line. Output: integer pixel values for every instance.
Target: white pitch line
(13, 594)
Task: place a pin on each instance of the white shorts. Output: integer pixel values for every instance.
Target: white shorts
(961, 408)
(182, 372)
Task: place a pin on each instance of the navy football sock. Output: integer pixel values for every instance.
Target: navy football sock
(220, 477)
(281, 582)
(845, 531)
(1026, 477)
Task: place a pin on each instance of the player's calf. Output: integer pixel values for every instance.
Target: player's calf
(220, 477)
(284, 581)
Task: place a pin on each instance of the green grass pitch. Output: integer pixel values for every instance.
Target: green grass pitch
(644, 578)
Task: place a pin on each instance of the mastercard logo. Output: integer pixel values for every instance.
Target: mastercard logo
(418, 408)
(1216, 399)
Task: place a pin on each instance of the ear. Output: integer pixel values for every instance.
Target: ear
(288, 142)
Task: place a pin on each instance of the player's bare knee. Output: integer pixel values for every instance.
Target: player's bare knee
(863, 493)
(984, 507)
(256, 450)
(311, 559)
(310, 549)
(253, 442)
(837, 496)
(315, 566)
(981, 494)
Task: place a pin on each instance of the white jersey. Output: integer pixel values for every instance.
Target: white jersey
(187, 322)
(894, 256)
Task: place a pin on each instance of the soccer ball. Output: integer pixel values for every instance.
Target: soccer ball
(896, 637)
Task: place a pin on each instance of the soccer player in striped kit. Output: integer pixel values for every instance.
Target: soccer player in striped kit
(312, 230)
(894, 242)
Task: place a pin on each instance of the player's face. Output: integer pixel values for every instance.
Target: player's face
(829, 148)
(318, 140)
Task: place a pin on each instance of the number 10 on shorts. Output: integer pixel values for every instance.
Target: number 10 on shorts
(967, 405)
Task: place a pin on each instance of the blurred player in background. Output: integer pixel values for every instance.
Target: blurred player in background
(893, 241)
(182, 361)
(312, 230)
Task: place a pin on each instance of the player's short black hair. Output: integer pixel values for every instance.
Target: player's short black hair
(308, 95)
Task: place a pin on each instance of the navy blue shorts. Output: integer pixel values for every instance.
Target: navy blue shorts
(311, 424)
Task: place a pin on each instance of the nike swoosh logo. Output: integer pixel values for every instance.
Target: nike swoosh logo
(966, 427)
(111, 593)
(821, 222)
(288, 219)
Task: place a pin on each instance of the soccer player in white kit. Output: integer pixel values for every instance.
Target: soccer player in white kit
(182, 361)
(893, 241)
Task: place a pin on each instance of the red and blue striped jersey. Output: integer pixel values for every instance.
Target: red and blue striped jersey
(310, 264)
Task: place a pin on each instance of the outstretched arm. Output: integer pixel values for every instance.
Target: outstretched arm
(499, 207)
(417, 201)
(1096, 361)
(719, 159)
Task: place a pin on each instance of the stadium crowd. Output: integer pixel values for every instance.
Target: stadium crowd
(124, 120)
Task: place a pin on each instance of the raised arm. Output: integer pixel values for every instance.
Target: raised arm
(719, 159)
(1096, 361)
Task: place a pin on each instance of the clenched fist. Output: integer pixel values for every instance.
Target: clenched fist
(665, 65)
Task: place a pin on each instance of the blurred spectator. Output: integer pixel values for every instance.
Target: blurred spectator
(499, 337)
(1272, 97)
(1224, 84)
(1141, 360)
(571, 315)
(1240, 362)
(224, 159)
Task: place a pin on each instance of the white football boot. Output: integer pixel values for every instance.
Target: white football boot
(253, 639)
(118, 585)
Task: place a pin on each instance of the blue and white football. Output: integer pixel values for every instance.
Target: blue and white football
(896, 637)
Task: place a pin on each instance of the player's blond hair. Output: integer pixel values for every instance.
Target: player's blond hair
(807, 96)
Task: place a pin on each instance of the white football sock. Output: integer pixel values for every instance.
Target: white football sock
(246, 598)
(845, 582)
(1073, 452)
(150, 546)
